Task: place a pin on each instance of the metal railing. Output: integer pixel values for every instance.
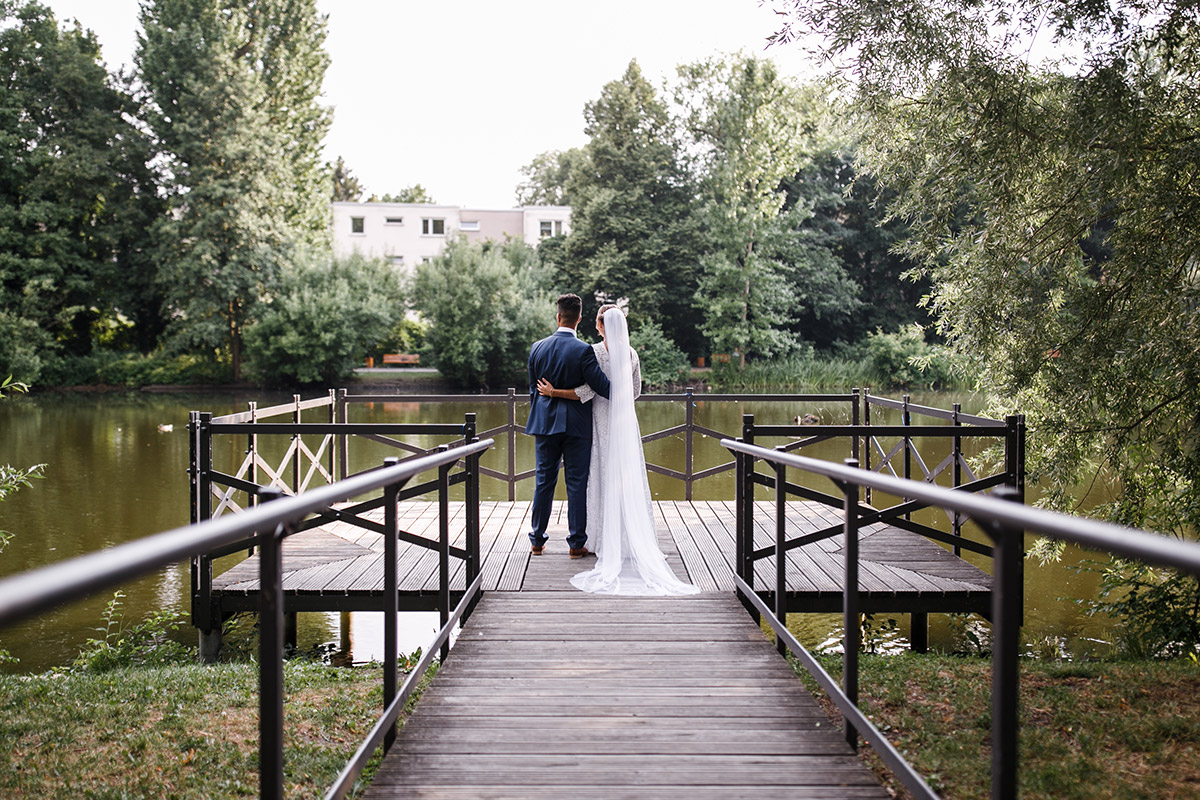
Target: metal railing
(267, 525)
(331, 457)
(209, 484)
(1005, 520)
(863, 437)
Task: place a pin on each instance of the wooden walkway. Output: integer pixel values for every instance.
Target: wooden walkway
(339, 567)
(557, 694)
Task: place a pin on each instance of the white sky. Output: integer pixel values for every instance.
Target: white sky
(458, 96)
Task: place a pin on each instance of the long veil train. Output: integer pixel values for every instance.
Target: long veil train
(628, 559)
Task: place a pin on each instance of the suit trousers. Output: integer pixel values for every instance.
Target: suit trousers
(576, 455)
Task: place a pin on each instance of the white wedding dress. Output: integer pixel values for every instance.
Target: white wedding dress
(619, 509)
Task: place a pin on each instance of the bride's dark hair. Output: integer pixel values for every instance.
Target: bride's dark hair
(606, 307)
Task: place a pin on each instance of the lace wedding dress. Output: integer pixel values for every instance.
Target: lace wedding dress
(619, 509)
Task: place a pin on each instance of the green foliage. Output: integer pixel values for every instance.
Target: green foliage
(848, 227)
(233, 93)
(346, 187)
(634, 235)
(546, 177)
(406, 336)
(411, 194)
(807, 371)
(662, 363)
(1159, 609)
(145, 643)
(76, 194)
(484, 303)
(1053, 207)
(22, 344)
(750, 129)
(13, 478)
(905, 360)
(325, 316)
(113, 368)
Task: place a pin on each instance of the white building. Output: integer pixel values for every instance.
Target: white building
(408, 233)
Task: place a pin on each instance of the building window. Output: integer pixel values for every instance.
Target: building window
(431, 226)
(473, 225)
(396, 261)
(426, 259)
(356, 224)
(550, 227)
(393, 221)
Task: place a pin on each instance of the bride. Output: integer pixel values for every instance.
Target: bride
(619, 508)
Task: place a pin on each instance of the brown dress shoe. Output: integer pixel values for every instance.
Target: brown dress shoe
(536, 550)
(581, 552)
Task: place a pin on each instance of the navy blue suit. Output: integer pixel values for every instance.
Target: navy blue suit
(562, 429)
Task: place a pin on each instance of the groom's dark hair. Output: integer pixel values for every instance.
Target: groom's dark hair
(570, 308)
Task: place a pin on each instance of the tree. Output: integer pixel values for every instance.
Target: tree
(1053, 206)
(633, 232)
(76, 194)
(848, 226)
(749, 129)
(413, 194)
(233, 89)
(325, 316)
(346, 188)
(546, 178)
(485, 303)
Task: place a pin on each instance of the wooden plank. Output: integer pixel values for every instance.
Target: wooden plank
(896, 567)
(563, 694)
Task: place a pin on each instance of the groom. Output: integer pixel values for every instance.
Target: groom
(562, 429)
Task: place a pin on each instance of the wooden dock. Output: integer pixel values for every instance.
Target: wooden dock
(338, 567)
(592, 697)
(550, 692)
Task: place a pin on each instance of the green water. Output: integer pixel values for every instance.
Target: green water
(115, 473)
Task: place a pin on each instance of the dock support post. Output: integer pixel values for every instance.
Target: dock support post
(918, 634)
(291, 627)
(210, 646)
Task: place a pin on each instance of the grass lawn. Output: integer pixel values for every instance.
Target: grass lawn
(1089, 730)
(179, 732)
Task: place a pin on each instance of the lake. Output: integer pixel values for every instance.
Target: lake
(117, 471)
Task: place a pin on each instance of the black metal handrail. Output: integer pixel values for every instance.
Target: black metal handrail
(29, 593)
(1005, 520)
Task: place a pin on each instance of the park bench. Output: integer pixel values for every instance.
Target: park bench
(410, 359)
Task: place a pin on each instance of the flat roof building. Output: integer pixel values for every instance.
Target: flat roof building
(408, 233)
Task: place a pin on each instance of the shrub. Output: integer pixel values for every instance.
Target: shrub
(904, 359)
(662, 362)
(133, 369)
(326, 314)
(146, 643)
(406, 336)
(20, 342)
(485, 304)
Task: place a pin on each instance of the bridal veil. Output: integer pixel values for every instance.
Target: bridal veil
(628, 559)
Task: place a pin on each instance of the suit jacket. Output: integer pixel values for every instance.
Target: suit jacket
(566, 362)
